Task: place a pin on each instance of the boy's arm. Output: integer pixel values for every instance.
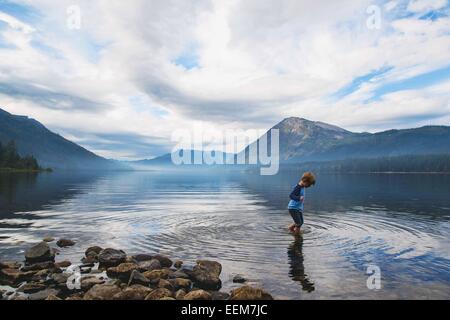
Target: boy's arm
(295, 194)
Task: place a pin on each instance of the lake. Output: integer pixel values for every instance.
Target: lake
(399, 223)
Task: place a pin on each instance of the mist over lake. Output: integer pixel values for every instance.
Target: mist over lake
(399, 222)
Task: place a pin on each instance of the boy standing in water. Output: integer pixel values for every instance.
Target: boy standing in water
(297, 199)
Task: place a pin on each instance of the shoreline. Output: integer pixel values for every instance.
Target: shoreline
(111, 274)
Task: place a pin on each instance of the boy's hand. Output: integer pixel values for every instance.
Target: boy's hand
(302, 199)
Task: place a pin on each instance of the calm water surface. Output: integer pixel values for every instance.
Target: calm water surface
(400, 223)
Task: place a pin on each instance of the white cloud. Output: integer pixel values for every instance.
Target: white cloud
(426, 5)
(258, 62)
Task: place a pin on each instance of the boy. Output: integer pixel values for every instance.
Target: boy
(297, 199)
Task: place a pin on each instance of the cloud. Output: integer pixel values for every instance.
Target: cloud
(135, 72)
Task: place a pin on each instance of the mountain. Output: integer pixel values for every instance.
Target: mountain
(166, 159)
(50, 149)
(302, 140)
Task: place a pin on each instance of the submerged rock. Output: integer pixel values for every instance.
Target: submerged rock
(250, 293)
(198, 295)
(93, 250)
(39, 253)
(48, 239)
(102, 292)
(111, 258)
(63, 243)
(178, 264)
(239, 279)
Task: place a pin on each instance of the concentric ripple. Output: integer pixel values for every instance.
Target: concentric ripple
(228, 220)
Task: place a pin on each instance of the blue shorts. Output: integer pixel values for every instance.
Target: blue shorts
(297, 215)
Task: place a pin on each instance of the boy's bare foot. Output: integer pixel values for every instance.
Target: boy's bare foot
(291, 227)
(297, 230)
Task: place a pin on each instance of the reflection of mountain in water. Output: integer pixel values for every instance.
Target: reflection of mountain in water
(28, 192)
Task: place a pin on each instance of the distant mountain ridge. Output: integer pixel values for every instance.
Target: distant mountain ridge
(50, 149)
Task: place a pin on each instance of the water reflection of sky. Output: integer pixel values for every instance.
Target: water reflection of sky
(400, 223)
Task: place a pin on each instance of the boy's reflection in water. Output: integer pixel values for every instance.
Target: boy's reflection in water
(297, 267)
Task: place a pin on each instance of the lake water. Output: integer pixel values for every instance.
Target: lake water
(399, 223)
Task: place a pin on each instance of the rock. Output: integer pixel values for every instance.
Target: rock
(102, 292)
(42, 295)
(178, 264)
(157, 274)
(178, 274)
(165, 284)
(63, 264)
(198, 295)
(179, 295)
(168, 298)
(93, 250)
(135, 292)
(142, 257)
(88, 282)
(39, 253)
(10, 265)
(164, 261)
(111, 258)
(39, 266)
(2, 293)
(63, 243)
(74, 298)
(250, 293)
(122, 271)
(206, 275)
(19, 297)
(90, 259)
(13, 277)
(239, 279)
(48, 239)
(32, 287)
(180, 283)
(158, 294)
(60, 278)
(149, 265)
(217, 295)
(212, 267)
(138, 278)
(52, 297)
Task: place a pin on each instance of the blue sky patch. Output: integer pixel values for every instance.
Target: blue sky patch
(359, 81)
(189, 58)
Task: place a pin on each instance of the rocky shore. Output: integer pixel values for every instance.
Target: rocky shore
(111, 274)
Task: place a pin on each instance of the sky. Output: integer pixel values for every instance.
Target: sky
(119, 77)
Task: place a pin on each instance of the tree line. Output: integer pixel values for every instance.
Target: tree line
(10, 158)
(410, 163)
